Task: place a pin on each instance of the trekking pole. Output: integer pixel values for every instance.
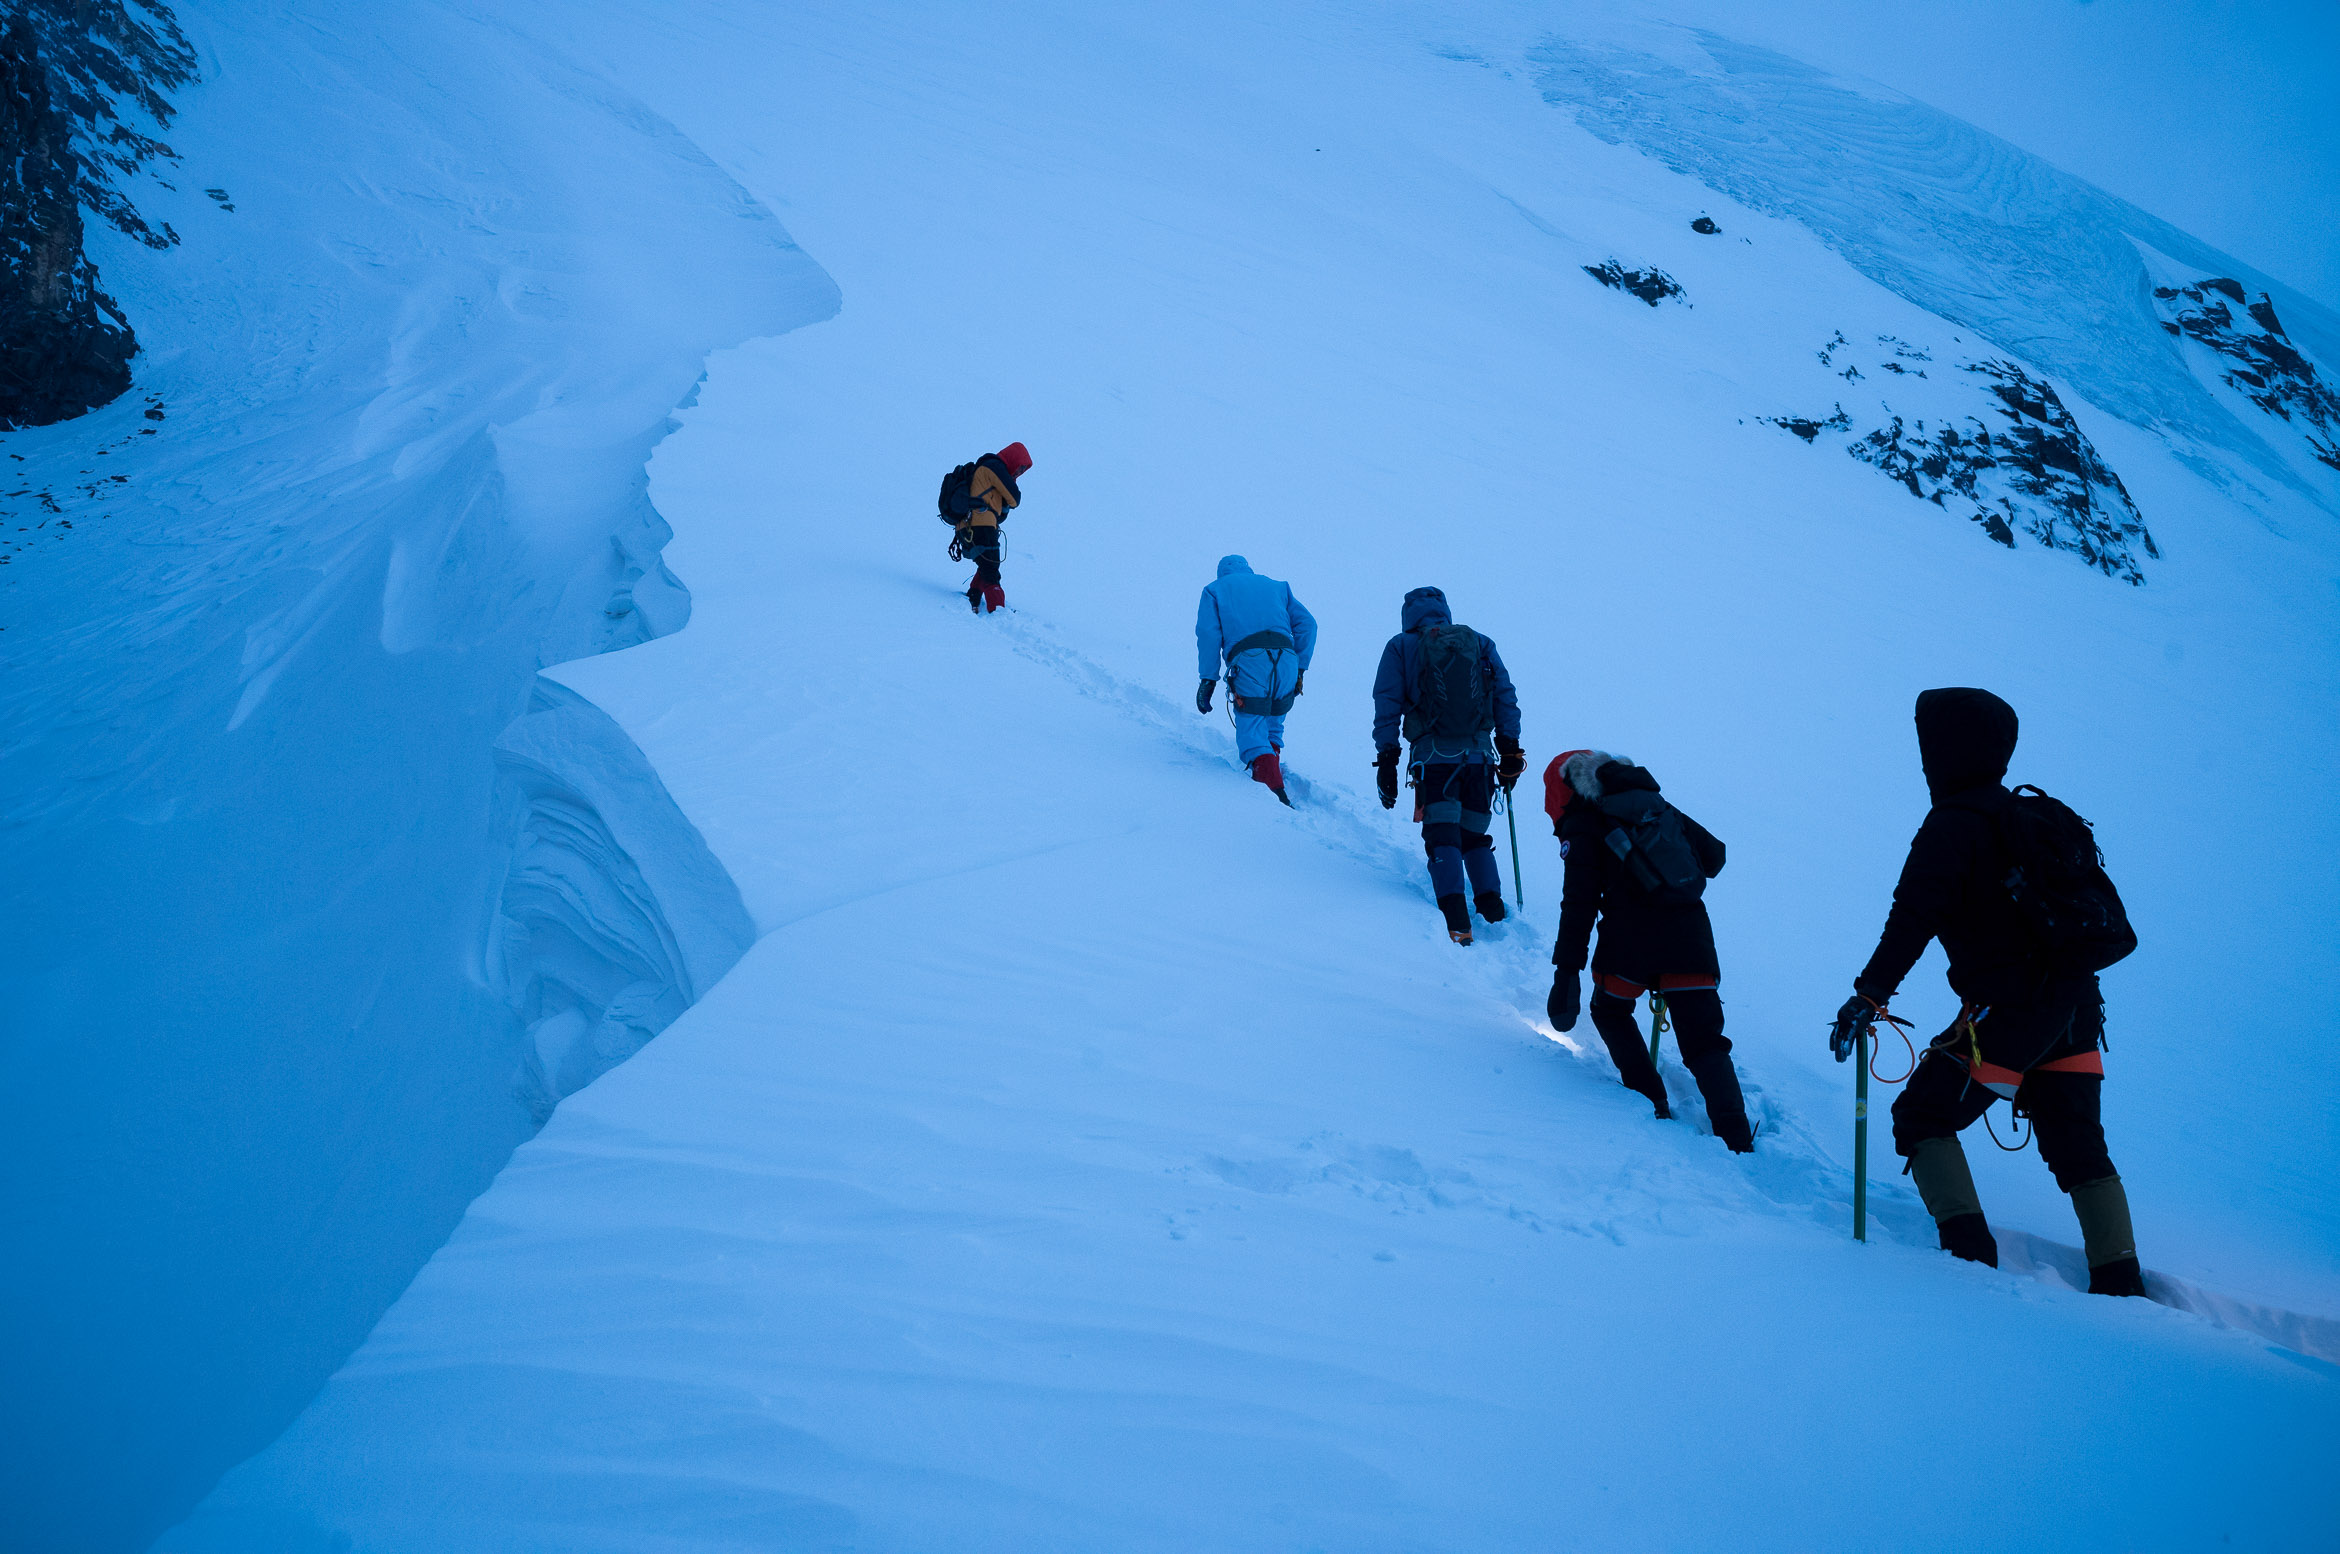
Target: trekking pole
(1861, 1137)
(1657, 1024)
(1511, 819)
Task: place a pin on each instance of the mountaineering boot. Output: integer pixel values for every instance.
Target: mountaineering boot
(1726, 1103)
(994, 598)
(1490, 905)
(2108, 1238)
(1268, 772)
(1969, 1236)
(975, 598)
(1458, 918)
(1944, 1181)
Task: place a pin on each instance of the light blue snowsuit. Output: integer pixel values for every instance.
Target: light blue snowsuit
(1266, 637)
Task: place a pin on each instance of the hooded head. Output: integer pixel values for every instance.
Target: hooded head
(1017, 458)
(1965, 739)
(1230, 565)
(1423, 606)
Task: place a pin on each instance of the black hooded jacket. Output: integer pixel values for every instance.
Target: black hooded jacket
(1952, 886)
(1641, 940)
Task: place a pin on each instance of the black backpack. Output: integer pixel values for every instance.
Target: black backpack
(1646, 834)
(954, 484)
(2056, 880)
(1454, 697)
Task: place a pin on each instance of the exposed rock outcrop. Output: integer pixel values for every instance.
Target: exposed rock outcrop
(2012, 457)
(1652, 285)
(2265, 366)
(72, 72)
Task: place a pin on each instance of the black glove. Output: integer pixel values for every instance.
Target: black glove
(1513, 763)
(1856, 1019)
(1566, 1001)
(1202, 695)
(1385, 775)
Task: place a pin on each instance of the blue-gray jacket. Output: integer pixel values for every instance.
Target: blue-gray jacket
(1242, 604)
(1393, 685)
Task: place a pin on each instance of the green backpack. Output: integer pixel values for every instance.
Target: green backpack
(1454, 696)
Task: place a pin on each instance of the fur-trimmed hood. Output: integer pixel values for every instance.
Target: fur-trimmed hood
(1582, 771)
(1591, 775)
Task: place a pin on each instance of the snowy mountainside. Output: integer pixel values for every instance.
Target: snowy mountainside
(1090, 1153)
(1958, 221)
(313, 917)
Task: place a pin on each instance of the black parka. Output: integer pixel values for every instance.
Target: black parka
(1640, 940)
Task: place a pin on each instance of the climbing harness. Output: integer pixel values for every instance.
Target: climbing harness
(1275, 644)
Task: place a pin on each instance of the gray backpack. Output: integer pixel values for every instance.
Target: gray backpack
(1454, 696)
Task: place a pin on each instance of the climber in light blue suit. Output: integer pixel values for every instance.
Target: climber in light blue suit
(1266, 638)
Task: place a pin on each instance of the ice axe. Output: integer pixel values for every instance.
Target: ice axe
(1849, 1037)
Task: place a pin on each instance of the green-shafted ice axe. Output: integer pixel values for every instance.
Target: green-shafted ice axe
(1657, 1023)
(1511, 819)
(1861, 1137)
(1849, 1037)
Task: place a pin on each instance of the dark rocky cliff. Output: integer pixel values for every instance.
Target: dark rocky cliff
(73, 73)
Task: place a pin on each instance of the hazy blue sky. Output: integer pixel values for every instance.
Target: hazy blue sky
(2223, 119)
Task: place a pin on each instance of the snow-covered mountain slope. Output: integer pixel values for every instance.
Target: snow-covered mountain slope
(317, 898)
(1090, 1154)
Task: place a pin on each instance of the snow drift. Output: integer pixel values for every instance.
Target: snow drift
(308, 931)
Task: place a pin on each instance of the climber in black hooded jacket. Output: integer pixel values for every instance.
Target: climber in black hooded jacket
(2023, 1034)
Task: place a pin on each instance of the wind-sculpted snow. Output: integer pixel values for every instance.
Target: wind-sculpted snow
(301, 952)
(614, 918)
(1956, 220)
(2011, 456)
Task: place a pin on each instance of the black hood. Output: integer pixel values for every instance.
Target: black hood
(1966, 738)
